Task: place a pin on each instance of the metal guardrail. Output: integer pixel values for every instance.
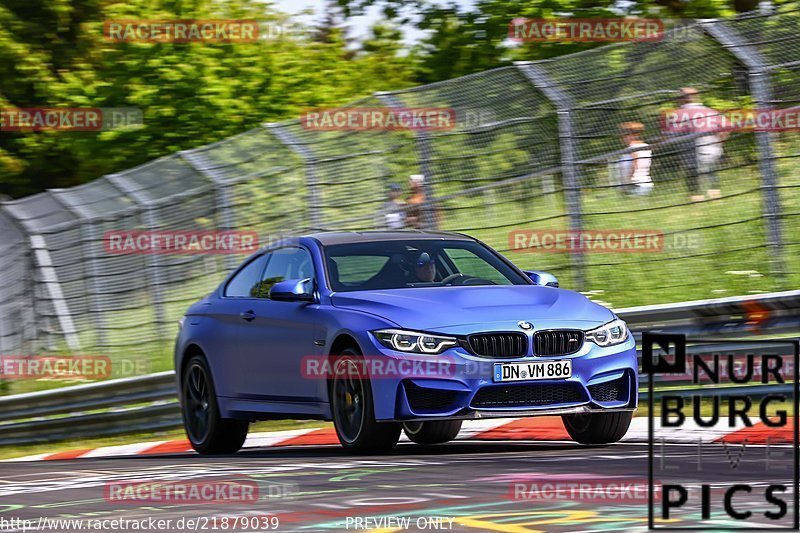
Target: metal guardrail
(103, 394)
(149, 403)
(112, 407)
(738, 316)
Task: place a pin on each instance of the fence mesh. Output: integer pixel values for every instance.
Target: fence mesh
(771, 38)
(637, 82)
(536, 146)
(498, 169)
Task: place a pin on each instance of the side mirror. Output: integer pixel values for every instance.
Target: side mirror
(540, 277)
(293, 290)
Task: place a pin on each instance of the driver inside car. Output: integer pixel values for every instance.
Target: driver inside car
(425, 268)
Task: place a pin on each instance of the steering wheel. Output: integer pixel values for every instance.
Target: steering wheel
(478, 281)
(451, 277)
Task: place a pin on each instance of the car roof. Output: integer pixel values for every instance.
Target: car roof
(344, 237)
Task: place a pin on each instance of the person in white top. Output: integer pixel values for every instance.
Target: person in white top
(703, 156)
(393, 210)
(635, 163)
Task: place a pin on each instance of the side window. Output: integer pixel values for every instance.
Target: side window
(286, 263)
(245, 283)
(356, 269)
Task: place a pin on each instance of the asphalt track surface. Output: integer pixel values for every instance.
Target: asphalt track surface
(463, 486)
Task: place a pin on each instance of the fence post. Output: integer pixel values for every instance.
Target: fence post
(424, 149)
(89, 237)
(288, 139)
(17, 294)
(569, 170)
(153, 263)
(41, 253)
(221, 196)
(758, 76)
(43, 262)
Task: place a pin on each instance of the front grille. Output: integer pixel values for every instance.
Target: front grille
(498, 344)
(615, 390)
(423, 399)
(557, 342)
(535, 394)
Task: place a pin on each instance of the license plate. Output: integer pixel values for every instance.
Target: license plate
(533, 370)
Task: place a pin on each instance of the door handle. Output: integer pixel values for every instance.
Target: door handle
(248, 315)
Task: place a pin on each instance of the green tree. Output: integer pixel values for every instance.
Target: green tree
(463, 40)
(53, 54)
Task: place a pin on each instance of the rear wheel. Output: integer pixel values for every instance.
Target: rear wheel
(433, 432)
(207, 431)
(598, 428)
(354, 411)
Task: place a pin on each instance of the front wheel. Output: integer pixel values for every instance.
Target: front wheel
(598, 428)
(208, 432)
(353, 409)
(433, 432)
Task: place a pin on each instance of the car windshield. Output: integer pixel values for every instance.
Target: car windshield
(396, 264)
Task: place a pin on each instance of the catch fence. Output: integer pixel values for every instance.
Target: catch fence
(537, 147)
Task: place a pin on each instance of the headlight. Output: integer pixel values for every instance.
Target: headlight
(615, 332)
(414, 341)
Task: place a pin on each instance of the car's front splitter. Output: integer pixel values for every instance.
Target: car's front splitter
(522, 413)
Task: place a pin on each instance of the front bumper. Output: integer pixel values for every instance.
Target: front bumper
(603, 380)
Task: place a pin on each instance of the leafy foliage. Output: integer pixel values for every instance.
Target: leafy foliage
(53, 54)
(462, 40)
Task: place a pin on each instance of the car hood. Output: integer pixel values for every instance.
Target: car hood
(435, 308)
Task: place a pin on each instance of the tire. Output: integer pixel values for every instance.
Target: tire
(433, 432)
(207, 431)
(598, 428)
(354, 411)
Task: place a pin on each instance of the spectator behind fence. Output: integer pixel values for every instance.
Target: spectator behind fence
(703, 154)
(416, 201)
(394, 209)
(634, 165)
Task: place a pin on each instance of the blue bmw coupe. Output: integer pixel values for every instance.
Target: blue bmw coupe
(384, 332)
